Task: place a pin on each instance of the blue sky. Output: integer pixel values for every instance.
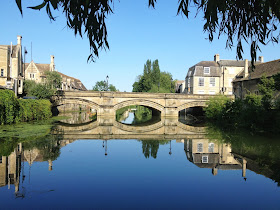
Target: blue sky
(136, 33)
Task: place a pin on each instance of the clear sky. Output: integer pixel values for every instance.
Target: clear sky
(136, 33)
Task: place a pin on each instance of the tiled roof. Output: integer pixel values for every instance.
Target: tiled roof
(76, 83)
(41, 67)
(207, 63)
(268, 68)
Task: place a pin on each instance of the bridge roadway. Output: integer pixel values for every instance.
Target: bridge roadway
(107, 103)
(166, 129)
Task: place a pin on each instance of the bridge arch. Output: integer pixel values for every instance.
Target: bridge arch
(79, 101)
(140, 102)
(192, 104)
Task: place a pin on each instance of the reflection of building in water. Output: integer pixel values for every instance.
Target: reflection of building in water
(12, 166)
(207, 154)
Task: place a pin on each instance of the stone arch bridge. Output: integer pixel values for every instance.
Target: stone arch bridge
(107, 103)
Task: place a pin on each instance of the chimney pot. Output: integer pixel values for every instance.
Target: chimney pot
(217, 58)
(19, 39)
(52, 66)
(261, 59)
(246, 69)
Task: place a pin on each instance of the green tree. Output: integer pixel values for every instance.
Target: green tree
(46, 89)
(53, 79)
(254, 21)
(267, 89)
(102, 86)
(153, 80)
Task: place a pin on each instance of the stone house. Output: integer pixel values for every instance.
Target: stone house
(213, 77)
(11, 67)
(36, 72)
(247, 80)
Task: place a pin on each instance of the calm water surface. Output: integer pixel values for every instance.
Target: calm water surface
(178, 169)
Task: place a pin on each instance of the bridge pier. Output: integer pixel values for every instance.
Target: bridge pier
(169, 112)
(106, 115)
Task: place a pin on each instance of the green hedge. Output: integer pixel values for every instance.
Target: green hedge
(13, 110)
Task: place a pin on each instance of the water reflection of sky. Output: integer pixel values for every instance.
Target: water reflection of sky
(83, 177)
(129, 119)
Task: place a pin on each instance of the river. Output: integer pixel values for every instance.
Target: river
(83, 163)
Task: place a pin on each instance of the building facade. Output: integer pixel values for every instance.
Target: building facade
(214, 77)
(11, 67)
(247, 80)
(37, 73)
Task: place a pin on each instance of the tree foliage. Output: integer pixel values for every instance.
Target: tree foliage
(254, 21)
(102, 86)
(153, 80)
(258, 113)
(43, 90)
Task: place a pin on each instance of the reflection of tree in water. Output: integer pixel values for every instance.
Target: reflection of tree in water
(49, 146)
(150, 147)
(142, 114)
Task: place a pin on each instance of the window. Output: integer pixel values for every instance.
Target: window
(211, 147)
(206, 70)
(201, 92)
(199, 147)
(0, 159)
(212, 82)
(19, 83)
(212, 92)
(30, 75)
(201, 82)
(33, 75)
(204, 159)
(2, 72)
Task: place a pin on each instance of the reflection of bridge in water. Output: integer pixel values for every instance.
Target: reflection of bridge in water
(167, 128)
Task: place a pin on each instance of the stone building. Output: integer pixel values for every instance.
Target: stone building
(247, 80)
(37, 72)
(213, 77)
(11, 67)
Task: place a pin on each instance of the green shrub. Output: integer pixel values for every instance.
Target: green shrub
(13, 110)
(9, 107)
(215, 107)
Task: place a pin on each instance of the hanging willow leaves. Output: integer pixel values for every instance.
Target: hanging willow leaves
(253, 21)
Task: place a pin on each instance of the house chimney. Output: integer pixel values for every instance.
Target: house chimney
(217, 58)
(246, 69)
(261, 59)
(19, 40)
(52, 66)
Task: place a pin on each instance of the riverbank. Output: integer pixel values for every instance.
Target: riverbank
(254, 114)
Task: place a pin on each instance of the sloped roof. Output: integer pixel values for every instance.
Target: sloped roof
(76, 83)
(41, 67)
(268, 68)
(236, 63)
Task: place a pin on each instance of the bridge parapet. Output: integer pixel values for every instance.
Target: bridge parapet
(106, 103)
